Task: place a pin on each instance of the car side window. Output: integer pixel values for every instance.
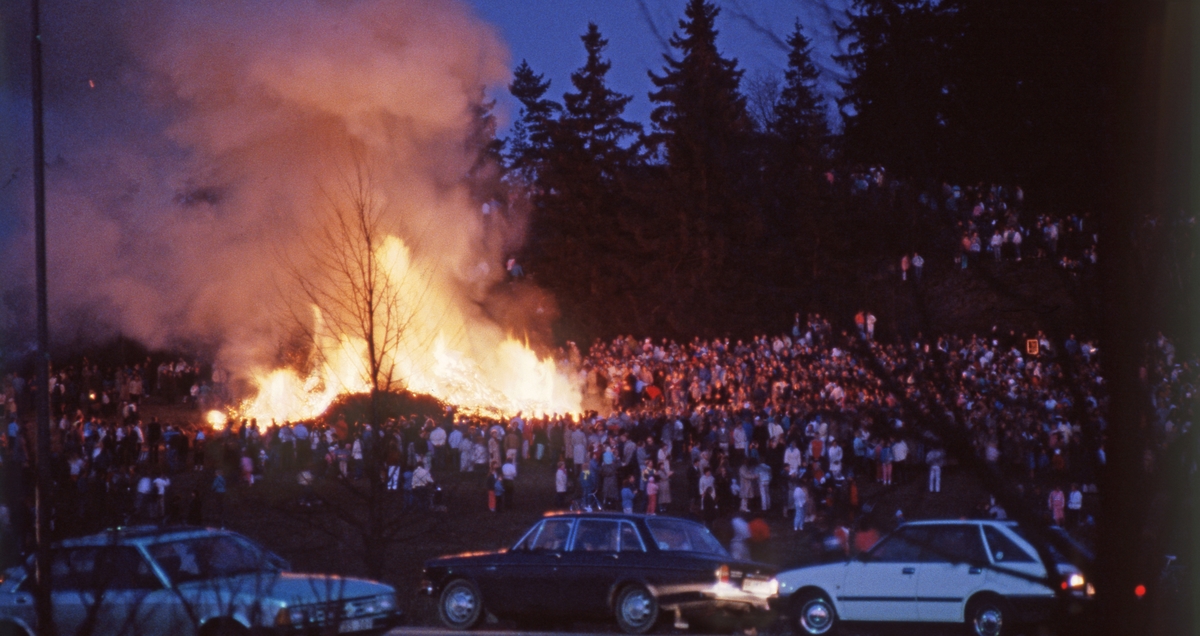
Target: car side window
(553, 536)
(596, 535)
(903, 546)
(954, 543)
(1004, 549)
(103, 568)
(631, 541)
(526, 542)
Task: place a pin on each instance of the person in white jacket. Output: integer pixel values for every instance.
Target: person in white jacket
(800, 502)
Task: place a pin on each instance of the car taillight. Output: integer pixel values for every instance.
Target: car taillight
(723, 574)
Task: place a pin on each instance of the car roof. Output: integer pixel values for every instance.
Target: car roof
(129, 535)
(983, 522)
(609, 514)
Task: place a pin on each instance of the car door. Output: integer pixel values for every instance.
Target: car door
(108, 590)
(527, 579)
(953, 567)
(882, 584)
(593, 565)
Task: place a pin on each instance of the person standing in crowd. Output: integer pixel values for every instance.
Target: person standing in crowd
(422, 486)
(764, 485)
(935, 458)
(218, 491)
(1074, 506)
(495, 488)
(651, 495)
(800, 503)
(918, 265)
(560, 485)
(628, 493)
(508, 474)
(161, 483)
(1057, 503)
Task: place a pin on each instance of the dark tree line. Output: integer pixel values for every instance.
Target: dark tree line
(714, 221)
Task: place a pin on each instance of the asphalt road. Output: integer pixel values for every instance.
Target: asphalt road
(844, 630)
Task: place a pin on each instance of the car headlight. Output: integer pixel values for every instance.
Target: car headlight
(379, 605)
(1075, 581)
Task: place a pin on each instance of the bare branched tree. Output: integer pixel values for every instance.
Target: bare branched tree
(762, 90)
(364, 285)
(349, 283)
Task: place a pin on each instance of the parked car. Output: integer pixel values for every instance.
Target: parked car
(633, 568)
(983, 573)
(183, 581)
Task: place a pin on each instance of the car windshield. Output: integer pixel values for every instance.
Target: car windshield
(206, 558)
(1059, 557)
(675, 535)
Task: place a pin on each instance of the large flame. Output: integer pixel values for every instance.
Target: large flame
(440, 350)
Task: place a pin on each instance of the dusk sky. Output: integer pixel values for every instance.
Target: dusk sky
(546, 33)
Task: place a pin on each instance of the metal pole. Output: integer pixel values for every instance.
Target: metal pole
(45, 616)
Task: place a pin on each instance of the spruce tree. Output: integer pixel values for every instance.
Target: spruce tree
(800, 119)
(582, 200)
(798, 157)
(701, 129)
(531, 132)
(593, 112)
(896, 104)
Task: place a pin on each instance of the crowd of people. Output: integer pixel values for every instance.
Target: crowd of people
(793, 425)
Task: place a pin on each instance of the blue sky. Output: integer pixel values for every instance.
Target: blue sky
(546, 33)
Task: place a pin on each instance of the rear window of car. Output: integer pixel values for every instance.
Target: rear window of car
(953, 543)
(596, 535)
(673, 535)
(101, 568)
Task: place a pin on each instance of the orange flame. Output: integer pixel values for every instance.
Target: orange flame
(442, 351)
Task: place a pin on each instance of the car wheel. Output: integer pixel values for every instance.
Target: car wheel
(461, 605)
(636, 609)
(986, 617)
(12, 629)
(813, 613)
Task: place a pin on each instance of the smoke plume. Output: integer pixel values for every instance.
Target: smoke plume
(192, 143)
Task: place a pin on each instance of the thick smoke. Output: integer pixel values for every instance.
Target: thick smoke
(192, 144)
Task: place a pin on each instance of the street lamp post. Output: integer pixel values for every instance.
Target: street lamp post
(45, 618)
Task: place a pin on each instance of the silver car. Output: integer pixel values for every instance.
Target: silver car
(183, 581)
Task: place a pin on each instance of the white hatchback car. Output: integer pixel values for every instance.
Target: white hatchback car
(983, 573)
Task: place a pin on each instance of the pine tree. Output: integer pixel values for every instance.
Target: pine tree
(896, 103)
(701, 129)
(593, 113)
(531, 131)
(700, 118)
(798, 157)
(800, 119)
(581, 202)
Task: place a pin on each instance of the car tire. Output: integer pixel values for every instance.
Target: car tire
(12, 629)
(636, 609)
(813, 614)
(461, 605)
(987, 616)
